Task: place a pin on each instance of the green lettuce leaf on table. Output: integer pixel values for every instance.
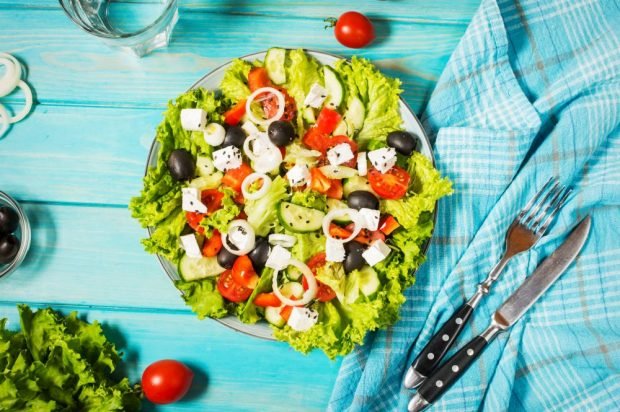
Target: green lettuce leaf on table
(61, 363)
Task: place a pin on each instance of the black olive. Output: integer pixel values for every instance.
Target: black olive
(226, 259)
(259, 254)
(9, 220)
(361, 198)
(9, 246)
(354, 259)
(181, 164)
(281, 133)
(235, 136)
(404, 142)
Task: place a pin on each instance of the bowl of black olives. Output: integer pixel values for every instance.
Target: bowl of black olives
(14, 234)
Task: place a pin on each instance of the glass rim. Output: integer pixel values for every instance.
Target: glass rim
(118, 36)
(25, 235)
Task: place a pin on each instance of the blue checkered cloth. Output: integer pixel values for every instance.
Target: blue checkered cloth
(532, 90)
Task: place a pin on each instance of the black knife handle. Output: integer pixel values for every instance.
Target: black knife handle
(434, 351)
(444, 377)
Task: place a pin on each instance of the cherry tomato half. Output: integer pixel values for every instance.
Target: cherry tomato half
(354, 30)
(390, 185)
(230, 289)
(243, 272)
(166, 381)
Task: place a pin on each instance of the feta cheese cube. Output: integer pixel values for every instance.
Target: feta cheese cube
(383, 159)
(370, 218)
(316, 96)
(302, 319)
(239, 237)
(362, 165)
(278, 258)
(299, 175)
(340, 154)
(227, 158)
(190, 244)
(250, 128)
(377, 251)
(191, 200)
(194, 120)
(334, 250)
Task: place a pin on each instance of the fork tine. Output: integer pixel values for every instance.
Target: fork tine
(536, 197)
(549, 208)
(537, 207)
(542, 229)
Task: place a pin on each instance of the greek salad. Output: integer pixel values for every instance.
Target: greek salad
(292, 195)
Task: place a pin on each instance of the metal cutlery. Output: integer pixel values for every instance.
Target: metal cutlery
(506, 316)
(527, 228)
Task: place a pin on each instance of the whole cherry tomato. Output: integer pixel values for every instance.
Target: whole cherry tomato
(166, 381)
(354, 30)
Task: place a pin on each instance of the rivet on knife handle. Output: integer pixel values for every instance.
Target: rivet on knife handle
(436, 348)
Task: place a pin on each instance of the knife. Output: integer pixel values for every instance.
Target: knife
(506, 316)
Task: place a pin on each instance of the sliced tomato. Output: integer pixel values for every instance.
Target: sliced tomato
(324, 292)
(334, 140)
(286, 312)
(267, 299)
(213, 245)
(239, 199)
(388, 224)
(335, 190)
(315, 139)
(390, 185)
(364, 236)
(212, 199)
(233, 116)
(194, 219)
(233, 178)
(241, 215)
(270, 106)
(328, 120)
(230, 289)
(243, 272)
(257, 78)
(318, 181)
(338, 232)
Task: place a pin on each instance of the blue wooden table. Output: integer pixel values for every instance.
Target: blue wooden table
(78, 158)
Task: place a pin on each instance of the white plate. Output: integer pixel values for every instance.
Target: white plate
(211, 82)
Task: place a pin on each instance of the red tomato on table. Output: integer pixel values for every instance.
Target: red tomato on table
(354, 30)
(166, 381)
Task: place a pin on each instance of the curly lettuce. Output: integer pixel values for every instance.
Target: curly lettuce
(311, 199)
(302, 72)
(203, 297)
(262, 212)
(234, 85)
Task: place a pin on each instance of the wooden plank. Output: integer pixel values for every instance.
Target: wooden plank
(67, 67)
(233, 371)
(442, 11)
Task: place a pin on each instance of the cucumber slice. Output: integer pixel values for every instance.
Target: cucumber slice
(342, 128)
(207, 182)
(199, 268)
(272, 315)
(356, 183)
(333, 204)
(334, 88)
(299, 219)
(204, 166)
(355, 114)
(309, 116)
(338, 172)
(275, 64)
(368, 281)
(294, 289)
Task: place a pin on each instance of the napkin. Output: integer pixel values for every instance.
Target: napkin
(531, 91)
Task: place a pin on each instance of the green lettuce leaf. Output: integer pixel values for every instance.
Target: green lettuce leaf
(234, 84)
(297, 154)
(302, 72)
(310, 198)
(248, 312)
(164, 239)
(204, 298)
(380, 95)
(220, 219)
(61, 363)
(307, 245)
(262, 213)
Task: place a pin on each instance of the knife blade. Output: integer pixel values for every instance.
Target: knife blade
(507, 315)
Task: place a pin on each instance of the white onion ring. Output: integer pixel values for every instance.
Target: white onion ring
(27, 106)
(308, 294)
(282, 239)
(4, 120)
(12, 75)
(251, 178)
(267, 160)
(242, 224)
(257, 92)
(352, 214)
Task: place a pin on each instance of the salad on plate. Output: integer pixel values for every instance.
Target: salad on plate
(292, 195)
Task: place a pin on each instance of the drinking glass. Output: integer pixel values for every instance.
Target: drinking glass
(138, 26)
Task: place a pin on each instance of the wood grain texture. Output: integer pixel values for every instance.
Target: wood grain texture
(235, 371)
(441, 12)
(88, 73)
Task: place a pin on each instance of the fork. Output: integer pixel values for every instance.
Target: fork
(524, 232)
